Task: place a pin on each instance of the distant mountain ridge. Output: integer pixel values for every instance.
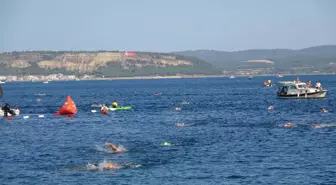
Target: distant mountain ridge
(317, 57)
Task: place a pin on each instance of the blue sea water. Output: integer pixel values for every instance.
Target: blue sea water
(233, 138)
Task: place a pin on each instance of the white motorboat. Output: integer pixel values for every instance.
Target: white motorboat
(290, 89)
(2, 82)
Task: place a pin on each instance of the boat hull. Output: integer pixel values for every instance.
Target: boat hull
(320, 94)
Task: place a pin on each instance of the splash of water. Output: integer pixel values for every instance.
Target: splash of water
(106, 165)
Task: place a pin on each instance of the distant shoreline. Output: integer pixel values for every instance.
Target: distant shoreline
(169, 77)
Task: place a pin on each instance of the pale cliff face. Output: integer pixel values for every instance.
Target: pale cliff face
(86, 62)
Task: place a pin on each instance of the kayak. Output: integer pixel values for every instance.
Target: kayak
(104, 112)
(120, 108)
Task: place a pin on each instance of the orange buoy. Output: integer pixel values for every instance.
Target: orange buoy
(69, 107)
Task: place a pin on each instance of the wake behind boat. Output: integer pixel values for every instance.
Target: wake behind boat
(289, 89)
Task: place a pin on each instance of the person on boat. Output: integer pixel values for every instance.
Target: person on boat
(308, 84)
(115, 104)
(6, 109)
(318, 85)
(269, 83)
(114, 148)
(104, 108)
(297, 80)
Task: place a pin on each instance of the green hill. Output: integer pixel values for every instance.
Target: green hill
(320, 58)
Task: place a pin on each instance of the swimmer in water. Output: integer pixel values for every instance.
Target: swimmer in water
(114, 148)
(288, 125)
(317, 126)
(183, 125)
(324, 110)
(112, 166)
(185, 102)
(157, 94)
(270, 107)
(324, 125)
(166, 143)
(96, 105)
(103, 166)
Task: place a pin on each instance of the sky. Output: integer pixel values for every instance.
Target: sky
(165, 26)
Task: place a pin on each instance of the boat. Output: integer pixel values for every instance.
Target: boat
(232, 77)
(120, 108)
(250, 77)
(2, 82)
(16, 112)
(46, 82)
(293, 89)
(279, 76)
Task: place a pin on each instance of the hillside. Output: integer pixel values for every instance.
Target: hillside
(102, 63)
(319, 58)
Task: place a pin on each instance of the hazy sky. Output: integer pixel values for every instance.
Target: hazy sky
(165, 25)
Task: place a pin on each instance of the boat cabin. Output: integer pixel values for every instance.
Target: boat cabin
(299, 89)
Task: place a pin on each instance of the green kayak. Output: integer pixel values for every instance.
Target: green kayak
(120, 108)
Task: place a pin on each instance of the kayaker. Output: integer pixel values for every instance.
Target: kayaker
(115, 104)
(114, 148)
(104, 108)
(6, 109)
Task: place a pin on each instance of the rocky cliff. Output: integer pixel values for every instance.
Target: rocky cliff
(98, 63)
